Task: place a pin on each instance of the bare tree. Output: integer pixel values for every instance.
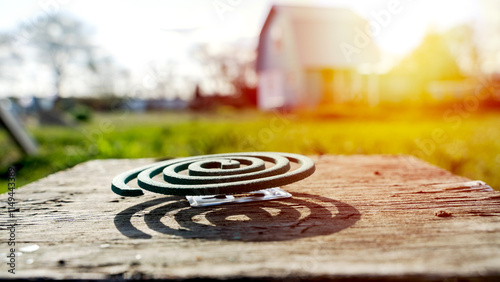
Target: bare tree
(109, 78)
(461, 43)
(230, 71)
(160, 79)
(62, 42)
(9, 56)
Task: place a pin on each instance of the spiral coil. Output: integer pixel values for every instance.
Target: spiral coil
(216, 174)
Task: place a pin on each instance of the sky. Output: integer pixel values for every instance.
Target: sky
(138, 33)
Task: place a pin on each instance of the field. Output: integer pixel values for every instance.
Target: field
(467, 145)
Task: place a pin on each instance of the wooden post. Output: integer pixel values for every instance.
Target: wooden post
(16, 130)
(380, 217)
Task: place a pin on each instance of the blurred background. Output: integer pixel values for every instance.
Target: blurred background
(83, 80)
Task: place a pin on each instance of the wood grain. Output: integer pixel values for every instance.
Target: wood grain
(382, 217)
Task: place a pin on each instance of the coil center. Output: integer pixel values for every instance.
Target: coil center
(225, 166)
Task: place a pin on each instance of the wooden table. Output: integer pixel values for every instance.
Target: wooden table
(383, 217)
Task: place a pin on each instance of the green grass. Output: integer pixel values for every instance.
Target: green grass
(468, 146)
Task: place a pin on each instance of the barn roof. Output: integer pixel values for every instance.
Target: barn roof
(319, 33)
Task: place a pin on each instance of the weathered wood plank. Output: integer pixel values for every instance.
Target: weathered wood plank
(357, 216)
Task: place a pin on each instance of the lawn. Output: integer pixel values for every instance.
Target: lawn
(465, 145)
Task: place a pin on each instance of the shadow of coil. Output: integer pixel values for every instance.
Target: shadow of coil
(304, 215)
